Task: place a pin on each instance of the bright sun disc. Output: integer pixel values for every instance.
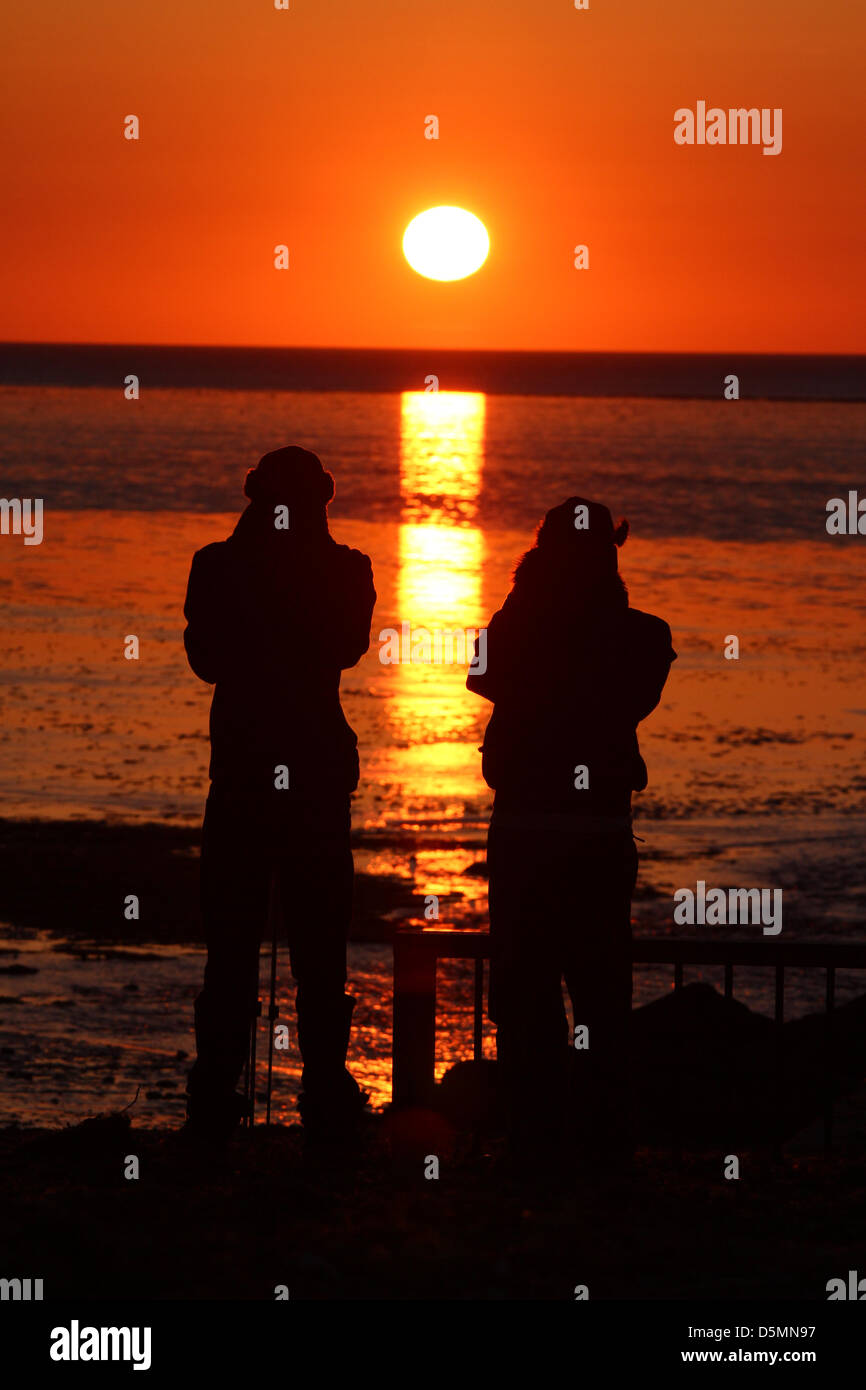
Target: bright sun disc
(446, 243)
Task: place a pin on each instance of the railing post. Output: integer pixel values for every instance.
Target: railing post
(414, 1032)
(729, 1089)
(828, 1058)
(678, 1083)
(778, 1057)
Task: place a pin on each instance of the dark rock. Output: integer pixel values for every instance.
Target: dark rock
(706, 1070)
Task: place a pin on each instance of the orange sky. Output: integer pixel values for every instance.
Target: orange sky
(556, 127)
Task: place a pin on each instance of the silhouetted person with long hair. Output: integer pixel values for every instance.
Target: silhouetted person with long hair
(571, 670)
(274, 614)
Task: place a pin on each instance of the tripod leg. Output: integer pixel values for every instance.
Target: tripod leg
(273, 1011)
(250, 1092)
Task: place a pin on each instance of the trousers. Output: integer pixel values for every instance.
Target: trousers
(560, 908)
(306, 845)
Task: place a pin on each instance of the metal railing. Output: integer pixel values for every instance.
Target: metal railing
(418, 950)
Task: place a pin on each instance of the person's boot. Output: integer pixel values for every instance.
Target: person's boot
(213, 1118)
(331, 1102)
(222, 1030)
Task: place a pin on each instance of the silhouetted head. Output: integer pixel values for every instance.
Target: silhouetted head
(582, 533)
(290, 477)
(293, 479)
(575, 554)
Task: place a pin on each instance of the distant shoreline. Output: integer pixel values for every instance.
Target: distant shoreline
(663, 376)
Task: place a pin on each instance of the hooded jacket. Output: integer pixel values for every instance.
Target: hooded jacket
(570, 682)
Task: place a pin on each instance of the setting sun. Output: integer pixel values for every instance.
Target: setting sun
(446, 243)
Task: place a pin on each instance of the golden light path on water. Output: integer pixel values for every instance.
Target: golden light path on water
(438, 591)
(430, 718)
(441, 463)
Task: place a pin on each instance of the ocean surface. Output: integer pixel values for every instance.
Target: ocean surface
(756, 766)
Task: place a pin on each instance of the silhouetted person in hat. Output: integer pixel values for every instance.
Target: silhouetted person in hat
(274, 614)
(571, 670)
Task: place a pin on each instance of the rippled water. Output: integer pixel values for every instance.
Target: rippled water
(756, 766)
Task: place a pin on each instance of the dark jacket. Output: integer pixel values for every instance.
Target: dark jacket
(569, 691)
(272, 620)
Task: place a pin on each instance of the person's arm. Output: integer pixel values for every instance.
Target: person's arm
(203, 632)
(487, 682)
(353, 622)
(657, 657)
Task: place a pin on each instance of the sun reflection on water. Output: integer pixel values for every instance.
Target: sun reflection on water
(440, 563)
(440, 546)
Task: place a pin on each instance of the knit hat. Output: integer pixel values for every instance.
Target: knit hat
(577, 521)
(290, 476)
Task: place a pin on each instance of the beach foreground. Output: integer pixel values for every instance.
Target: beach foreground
(730, 1194)
(259, 1217)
